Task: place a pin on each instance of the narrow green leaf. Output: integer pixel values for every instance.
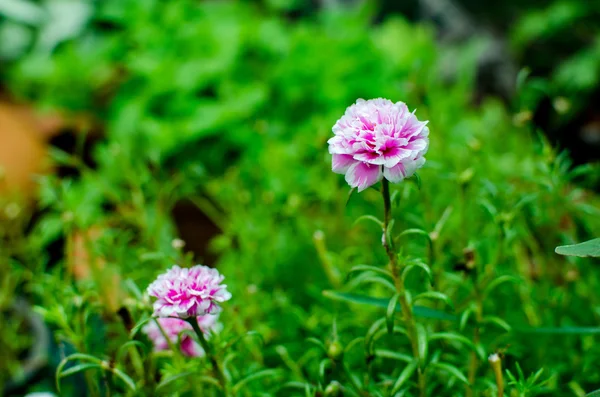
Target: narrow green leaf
(422, 342)
(350, 193)
(249, 334)
(152, 256)
(522, 78)
(452, 370)
(588, 248)
(497, 321)
(391, 309)
(388, 231)
(434, 295)
(295, 385)
(452, 337)
(417, 232)
(380, 332)
(595, 393)
(497, 282)
(369, 218)
(353, 342)
(393, 355)
(379, 280)
(77, 368)
(124, 348)
(82, 356)
(253, 377)
(368, 268)
(437, 229)
(427, 312)
(464, 317)
(419, 265)
(559, 330)
(372, 332)
(417, 180)
(134, 289)
(406, 373)
(536, 376)
(125, 378)
(419, 311)
(61, 157)
(138, 326)
(75, 356)
(200, 379)
(317, 342)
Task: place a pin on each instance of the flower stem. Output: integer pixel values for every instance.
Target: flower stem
(473, 361)
(496, 364)
(210, 354)
(399, 284)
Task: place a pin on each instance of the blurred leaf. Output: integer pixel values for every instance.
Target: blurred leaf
(452, 370)
(77, 368)
(367, 268)
(369, 218)
(434, 295)
(422, 342)
(559, 330)
(449, 336)
(419, 311)
(125, 378)
(588, 248)
(404, 376)
(416, 265)
(200, 379)
(22, 11)
(390, 313)
(393, 355)
(255, 376)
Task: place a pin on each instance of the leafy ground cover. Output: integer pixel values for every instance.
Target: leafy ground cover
(229, 106)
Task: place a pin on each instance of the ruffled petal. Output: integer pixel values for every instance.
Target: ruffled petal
(341, 162)
(394, 174)
(362, 175)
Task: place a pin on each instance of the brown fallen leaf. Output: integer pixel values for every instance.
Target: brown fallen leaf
(23, 153)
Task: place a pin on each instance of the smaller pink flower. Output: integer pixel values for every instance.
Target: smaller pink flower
(173, 328)
(183, 292)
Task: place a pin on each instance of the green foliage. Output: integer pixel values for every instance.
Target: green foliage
(588, 248)
(229, 105)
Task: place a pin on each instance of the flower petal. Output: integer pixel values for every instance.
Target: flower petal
(394, 174)
(341, 162)
(362, 175)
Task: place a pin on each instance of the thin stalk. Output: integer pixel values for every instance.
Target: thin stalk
(496, 364)
(210, 354)
(473, 361)
(399, 284)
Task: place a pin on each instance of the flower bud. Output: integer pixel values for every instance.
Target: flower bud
(335, 351)
(333, 389)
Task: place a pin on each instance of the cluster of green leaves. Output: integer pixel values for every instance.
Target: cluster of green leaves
(229, 106)
(546, 35)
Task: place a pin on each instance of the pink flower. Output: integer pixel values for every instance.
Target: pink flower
(378, 139)
(189, 292)
(173, 328)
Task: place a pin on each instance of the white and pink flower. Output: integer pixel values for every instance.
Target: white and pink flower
(378, 139)
(188, 292)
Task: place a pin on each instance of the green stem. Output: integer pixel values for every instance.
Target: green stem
(473, 361)
(210, 354)
(399, 284)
